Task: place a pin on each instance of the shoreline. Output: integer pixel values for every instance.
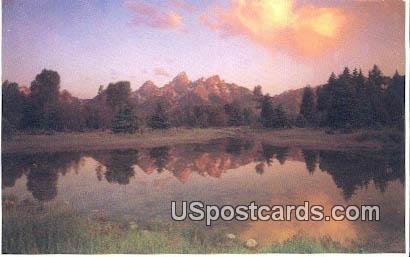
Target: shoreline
(314, 139)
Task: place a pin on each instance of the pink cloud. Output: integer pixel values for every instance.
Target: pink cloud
(161, 72)
(146, 14)
(302, 30)
(181, 5)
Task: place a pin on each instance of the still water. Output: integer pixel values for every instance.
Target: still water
(141, 183)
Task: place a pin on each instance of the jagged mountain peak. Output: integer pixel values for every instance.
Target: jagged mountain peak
(180, 90)
(215, 79)
(147, 90)
(181, 78)
(148, 84)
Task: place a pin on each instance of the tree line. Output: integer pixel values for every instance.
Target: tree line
(45, 108)
(349, 100)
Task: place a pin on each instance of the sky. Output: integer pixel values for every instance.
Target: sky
(278, 44)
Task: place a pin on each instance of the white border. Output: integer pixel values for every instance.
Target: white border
(407, 110)
(407, 154)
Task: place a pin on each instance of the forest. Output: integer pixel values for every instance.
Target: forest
(347, 101)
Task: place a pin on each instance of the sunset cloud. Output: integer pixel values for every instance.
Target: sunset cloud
(303, 30)
(161, 72)
(149, 15)
(181, 5)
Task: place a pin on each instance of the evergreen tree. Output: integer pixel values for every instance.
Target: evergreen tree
(267, 112)
(337, 101)
(341, 111)
(159, 119)
(234, 112)
(324, 99)
(352, 100)
(395, 100)
(378, 111)
(363, 114)
(125, 121)
(280, 119)
(247, 116)
(376, 78)
(308, 108)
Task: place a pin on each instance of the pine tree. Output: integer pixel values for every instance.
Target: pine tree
(324, 99)
(159, 119)
(235, 115)
(379, 113)
(363, 112)
(308, 108)
(280, 119)
(375, 77)
(395, 100)
(267, 112)
(125, 121)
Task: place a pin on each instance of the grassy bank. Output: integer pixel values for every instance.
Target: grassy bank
(307, 138)
(32, 229)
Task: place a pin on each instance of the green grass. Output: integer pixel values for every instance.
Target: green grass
(34, 230)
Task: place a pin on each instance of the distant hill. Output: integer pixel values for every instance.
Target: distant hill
(290, 100)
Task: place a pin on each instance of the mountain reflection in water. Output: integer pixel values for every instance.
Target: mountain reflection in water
(141, 182)
(350, 170)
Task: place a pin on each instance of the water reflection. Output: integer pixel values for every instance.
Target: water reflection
(310, 160)
(235, 146)
(350, 171)
(141, 183)
(270, 152)
(42, 171)
(160, 156)
(118, 165)
(347, 169)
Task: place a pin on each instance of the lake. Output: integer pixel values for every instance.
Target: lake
(139, 184)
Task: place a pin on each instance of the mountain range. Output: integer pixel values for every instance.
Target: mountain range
(181, 92)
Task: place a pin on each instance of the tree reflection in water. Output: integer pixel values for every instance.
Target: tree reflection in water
(350, 171)
(269, 151)
(13, 167)
(310, 160)
(160, 155)
(260, 168)
(235, 146)
(120, 166)
(42, 171)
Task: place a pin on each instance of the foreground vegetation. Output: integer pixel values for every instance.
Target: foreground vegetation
(296, 137)
(32, 229)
